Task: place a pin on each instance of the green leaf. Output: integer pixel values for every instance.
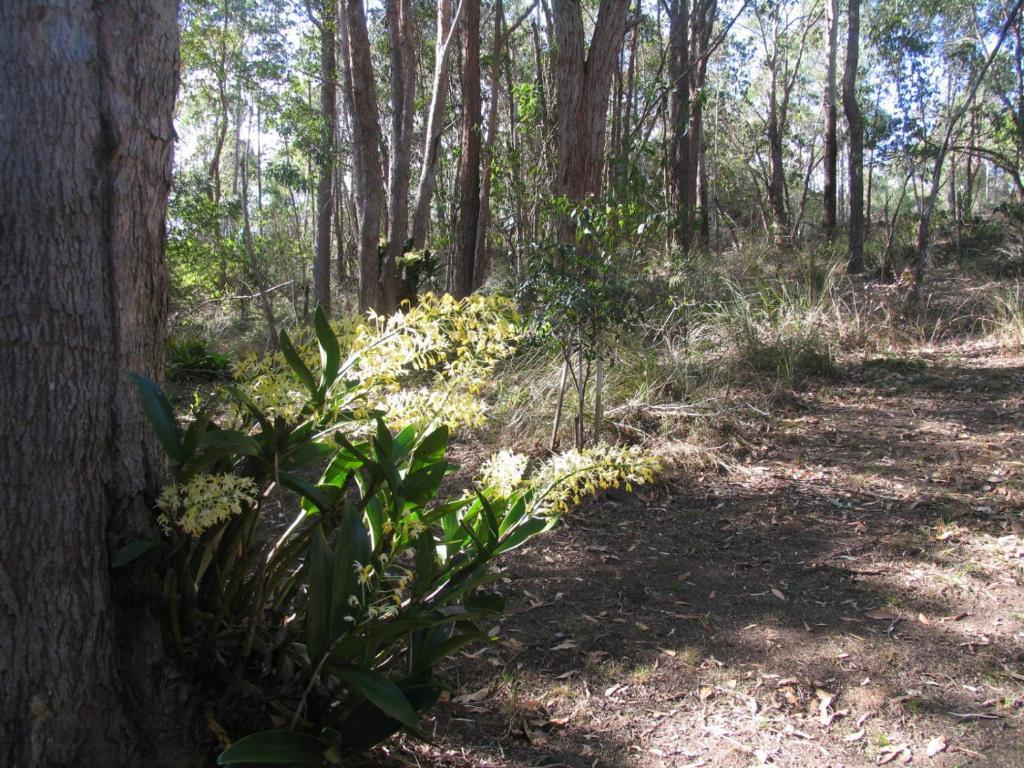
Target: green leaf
(237, 442)
(520, 535)
(307, 453)
(296, 364)
(161, 416)
(440, 647)
(353, 546)
(318, 609)
(404, 441)
(432, 447)
(316, 494)
(278, 747)
(195, 431)
(132, 551)
(381, 692)
(421, 486)
(485, 602)
(330, 352)
(254, 409)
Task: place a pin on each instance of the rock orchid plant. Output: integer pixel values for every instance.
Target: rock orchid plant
(333, 627)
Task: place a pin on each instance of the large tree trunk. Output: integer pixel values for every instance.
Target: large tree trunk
(831, 148)
(464, 256)
(583, 83)
(87, 94)
(855, 121)
(325, 184)
(368, 177)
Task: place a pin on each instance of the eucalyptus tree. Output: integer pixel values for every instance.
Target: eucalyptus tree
(87, 100)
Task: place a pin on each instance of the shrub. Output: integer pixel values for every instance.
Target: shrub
(330, 631)
(193, 358)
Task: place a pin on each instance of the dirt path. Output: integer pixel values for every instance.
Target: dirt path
(854, 595)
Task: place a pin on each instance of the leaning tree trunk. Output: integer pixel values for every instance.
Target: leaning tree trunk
(434, 127)
(855, 121)
(87, 95)
(464, 256)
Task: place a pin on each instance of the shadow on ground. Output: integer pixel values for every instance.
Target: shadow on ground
(855, 593)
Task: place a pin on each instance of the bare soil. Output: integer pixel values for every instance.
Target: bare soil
(850, 594)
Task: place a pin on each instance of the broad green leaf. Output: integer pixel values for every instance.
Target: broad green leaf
(421, 486)
(278, 747)
(132, 551)
(353, 547)
(404, 441)
(296, 364)
(437, 652)
(317, 495)
(381, 692)
(190, 443)
(318, 608)
(330, 353)
(228, 438)
(161, 416)
(432, 447)
(522, 534)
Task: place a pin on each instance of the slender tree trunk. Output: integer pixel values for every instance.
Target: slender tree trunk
(325, 184)
(831, 147)
(87, 95)
(928, 201)
(464, 256)
(679, 121)
(855, 123)
(435, 121)
(776, 162)
(482, 263)
(403, 87)
(361, 98)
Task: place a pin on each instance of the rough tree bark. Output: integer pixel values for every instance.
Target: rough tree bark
(855, 122)
(326, 161)
(368, 176)
(583, 83)
(831, 148)
(680, 157)
(87, 94)
(464, 255)
(482, 263)
(403, 87)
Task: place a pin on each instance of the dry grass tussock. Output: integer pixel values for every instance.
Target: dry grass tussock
(701, 377)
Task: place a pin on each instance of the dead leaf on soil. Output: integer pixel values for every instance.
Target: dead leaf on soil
(936, 745)
(565, 645)
(778, 593)
(473, 698)
(888, 754)
(855, 736)
(882, 614)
